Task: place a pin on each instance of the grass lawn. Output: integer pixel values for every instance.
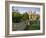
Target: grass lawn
(35, 25)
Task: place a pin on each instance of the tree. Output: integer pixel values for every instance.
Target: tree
(16, 17)
(25, 16)
(38, 17)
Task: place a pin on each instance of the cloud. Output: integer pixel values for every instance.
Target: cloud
(26, 9)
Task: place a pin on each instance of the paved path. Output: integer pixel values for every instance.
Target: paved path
(19, 26)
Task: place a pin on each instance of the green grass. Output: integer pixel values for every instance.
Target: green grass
(35, 25)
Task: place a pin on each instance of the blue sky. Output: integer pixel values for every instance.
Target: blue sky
(26, 9)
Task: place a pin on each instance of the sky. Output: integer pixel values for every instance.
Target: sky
(26, 9)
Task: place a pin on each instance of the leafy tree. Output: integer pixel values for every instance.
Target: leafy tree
(25, 16)
(38, 17)
(16, 17)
